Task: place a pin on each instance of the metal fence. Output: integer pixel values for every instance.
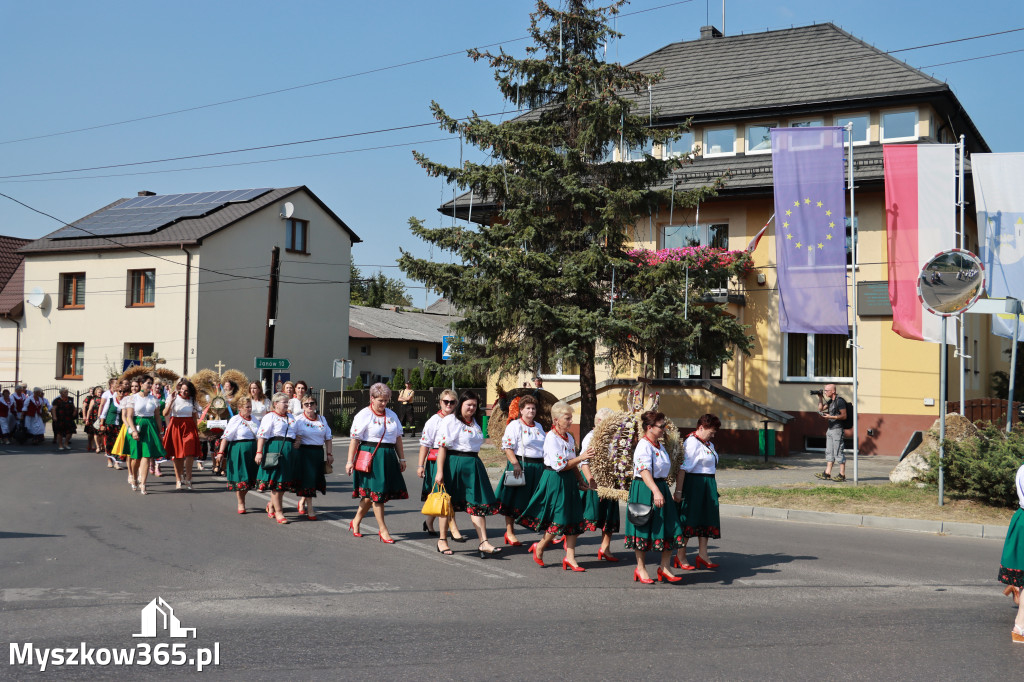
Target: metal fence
(77, 393)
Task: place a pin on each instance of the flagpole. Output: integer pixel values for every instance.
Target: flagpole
(853, 339)
(960, 318)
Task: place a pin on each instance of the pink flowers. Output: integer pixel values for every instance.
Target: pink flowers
(696, 256)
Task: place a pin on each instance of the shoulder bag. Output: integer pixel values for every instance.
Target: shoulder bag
(364, 460)
(639, 514)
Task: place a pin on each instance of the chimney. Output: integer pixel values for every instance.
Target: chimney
(147, 193)
(707, 32)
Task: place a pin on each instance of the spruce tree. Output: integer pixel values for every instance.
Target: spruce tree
(535, 278)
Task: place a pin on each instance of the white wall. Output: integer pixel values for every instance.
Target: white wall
(8, 348)
(312, 320)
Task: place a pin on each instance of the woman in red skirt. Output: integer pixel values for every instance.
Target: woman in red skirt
(181, 439)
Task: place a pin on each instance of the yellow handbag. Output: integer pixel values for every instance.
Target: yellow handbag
(439, 502)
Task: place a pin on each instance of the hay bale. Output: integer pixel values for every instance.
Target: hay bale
(498, 419)
(168, 375)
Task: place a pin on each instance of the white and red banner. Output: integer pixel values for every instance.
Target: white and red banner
(920, 208)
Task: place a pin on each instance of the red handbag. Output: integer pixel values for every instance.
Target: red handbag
(364, 460)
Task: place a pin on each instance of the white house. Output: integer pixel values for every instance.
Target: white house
(186, 276)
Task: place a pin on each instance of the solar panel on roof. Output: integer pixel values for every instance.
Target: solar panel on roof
(142, 215)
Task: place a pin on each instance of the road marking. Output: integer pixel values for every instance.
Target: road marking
(423, 550)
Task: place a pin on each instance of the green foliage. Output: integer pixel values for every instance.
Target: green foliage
(376, 290)
(397, 382)
(983, 467)
(341, 422)
(534, 277)
(357, 385)
(416, 379)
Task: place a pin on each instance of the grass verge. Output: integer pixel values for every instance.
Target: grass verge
(902, 501)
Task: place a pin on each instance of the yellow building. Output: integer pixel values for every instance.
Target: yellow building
(736, 89)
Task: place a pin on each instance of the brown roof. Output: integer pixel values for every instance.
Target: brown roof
(12, 276)
(189, 231)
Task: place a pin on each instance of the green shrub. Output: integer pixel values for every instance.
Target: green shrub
(983, 467)
(340, 423)
(357, 385)
(397, 379)
(416, 379)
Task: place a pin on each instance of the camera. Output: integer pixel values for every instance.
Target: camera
(818, 393)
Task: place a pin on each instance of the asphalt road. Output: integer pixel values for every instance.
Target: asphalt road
(80, 556)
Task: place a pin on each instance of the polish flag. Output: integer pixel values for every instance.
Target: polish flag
(920, 208)
(757, 237)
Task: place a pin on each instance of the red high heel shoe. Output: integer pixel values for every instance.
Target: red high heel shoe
(537, 560)
(386, 541)
(705, 564)
(514, 544)
(270, 512)
(662, 575)
(601, 556)
(637, 578)
(352, 527)
(676, 563)
(566, 566)
(532, 547)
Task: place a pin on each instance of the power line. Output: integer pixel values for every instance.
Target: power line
(971, 59)
(957, 40)
(307, 85)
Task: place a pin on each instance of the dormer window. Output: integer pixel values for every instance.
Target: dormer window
(859, 130)
(720, 141)
(759, 138)
(899, 125)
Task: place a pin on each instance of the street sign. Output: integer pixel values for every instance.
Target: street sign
(447, 342)
(342, 369)
(273, 363)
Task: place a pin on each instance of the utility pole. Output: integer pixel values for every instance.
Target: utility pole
(268, 339)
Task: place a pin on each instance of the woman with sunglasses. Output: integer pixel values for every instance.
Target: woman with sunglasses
(312, 440)
(662, 533)
(463, 474)
(696, 492)
(377, 429)
(238, 451)
(427, 466)
(274, 447)
(523, 445)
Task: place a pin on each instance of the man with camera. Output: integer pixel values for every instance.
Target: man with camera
(833, 409)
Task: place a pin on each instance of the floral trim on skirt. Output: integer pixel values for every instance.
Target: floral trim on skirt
(664, 532)
(465, 479)
(698, 510)
(600, 514)
(385, 481)
(556, 507)
(1011, 566)
(512, 501)
(240, 464)
(280, 477)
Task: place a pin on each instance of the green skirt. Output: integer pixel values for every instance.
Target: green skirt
(600, 514)
(663, 533)
(465, 479)
(280, 477)
(429, 474)
(308, 470)
(556, 506)
(512, 501)
(241, 465)
(385, 481)
(1011, 566)
(148, 444)
(698, 511)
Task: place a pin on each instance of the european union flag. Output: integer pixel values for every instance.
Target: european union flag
(810, 229)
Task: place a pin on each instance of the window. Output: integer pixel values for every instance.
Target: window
(367, 378)
(72, 360)
(807, 123)
(684, 145)
(72, 290)
(137, 351)
(759, 138)
(296, 236)
(364, 350)
(683, 370)
(634, 153)
(414, 353)
(817, 357)
(720, 141)
(849, 238)
(899, 125)
(141, 287)
(678, 236)
(554, 367)
(859, 131)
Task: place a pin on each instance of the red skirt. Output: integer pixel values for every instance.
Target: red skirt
(181, 439)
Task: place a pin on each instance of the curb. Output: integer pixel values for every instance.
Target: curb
(972, 530)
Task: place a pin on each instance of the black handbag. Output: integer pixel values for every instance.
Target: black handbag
(639, 514)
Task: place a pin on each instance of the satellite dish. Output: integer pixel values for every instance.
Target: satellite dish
(36, 298)
(951, 282)
(287, 210)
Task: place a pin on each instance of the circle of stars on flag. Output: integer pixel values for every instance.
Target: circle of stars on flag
(813, 208)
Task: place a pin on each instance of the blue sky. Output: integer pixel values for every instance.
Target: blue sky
(70, 65)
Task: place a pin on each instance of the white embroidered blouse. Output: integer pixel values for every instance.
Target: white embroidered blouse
(240, 429)
(648, 458)
(698, 457)
(524, 441)
(274, 425)
(315, 432)
(557, 450)
(455, 434)
(429, 436)
(368, 426)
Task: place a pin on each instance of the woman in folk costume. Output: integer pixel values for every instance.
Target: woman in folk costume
(599, 513)
(34, 423)
(181, 438)
(313, 447)
(128, 390)
(110, 425)
(5, 416)
(1011, 566)
(274, 453)
(696, 493)
(427, 467)
(238, 451)
(144, 423)
(556, 508)
(523, 445)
